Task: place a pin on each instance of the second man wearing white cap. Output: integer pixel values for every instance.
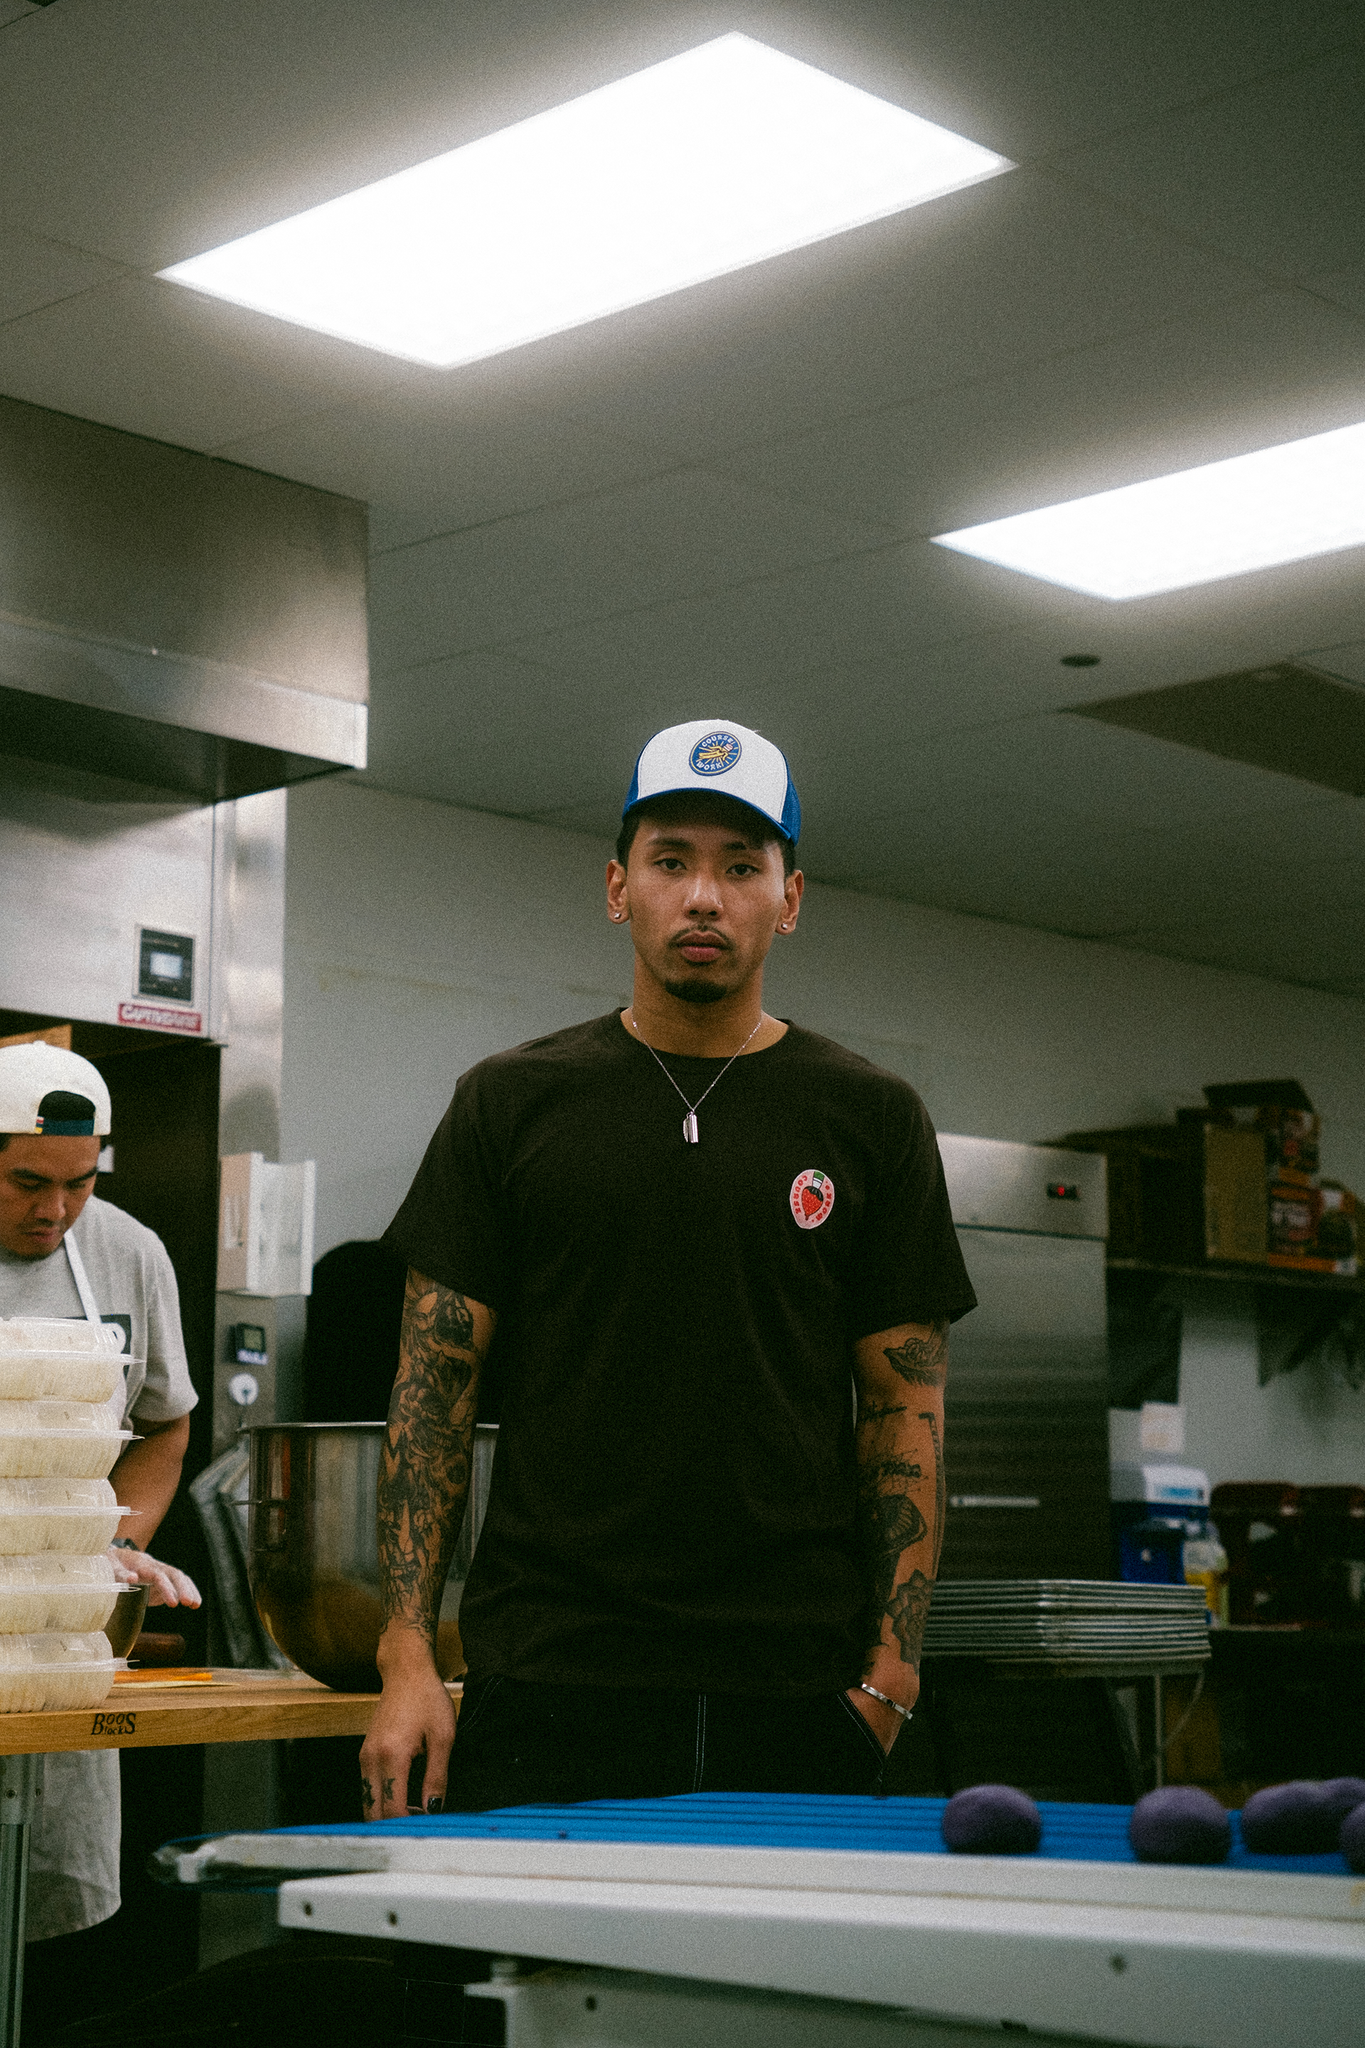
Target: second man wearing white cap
(673, 1240)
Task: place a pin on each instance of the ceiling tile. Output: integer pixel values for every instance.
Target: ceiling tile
(1210, 384)
(1319, 951)
(753, 639)
(1292, 720)
(156, 136)
(967, 288)
(144, 356)
(35, 273)
(1124, 778)
(624, 549)
(1344, 287)
(490, 734)
(1270, 175)
(1036, 865)
(1029, 81)
(1347, 659)
(433, 461)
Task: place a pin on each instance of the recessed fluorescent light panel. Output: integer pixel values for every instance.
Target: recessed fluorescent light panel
(704, 164)
(1224, 519)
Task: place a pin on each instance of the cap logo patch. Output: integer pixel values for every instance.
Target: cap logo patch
(812, 1198)
(714, 753)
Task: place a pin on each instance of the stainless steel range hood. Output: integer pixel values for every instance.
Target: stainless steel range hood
(173, 622)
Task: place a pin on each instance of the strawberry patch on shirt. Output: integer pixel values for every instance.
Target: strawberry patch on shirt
(812, 1198)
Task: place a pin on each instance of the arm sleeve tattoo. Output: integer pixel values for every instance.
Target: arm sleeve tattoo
(901, 1490)
(424, 1465)
(922, 1361)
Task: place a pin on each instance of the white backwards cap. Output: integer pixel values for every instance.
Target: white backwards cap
(47, 1092)
(724, 759)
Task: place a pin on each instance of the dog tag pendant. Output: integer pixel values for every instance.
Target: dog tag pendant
(690, 1128)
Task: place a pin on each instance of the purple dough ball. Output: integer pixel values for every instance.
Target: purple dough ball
(992, 1820)
(1352, 1838)
(1290, 1820)
(1179, 1824)
(1343, 1796)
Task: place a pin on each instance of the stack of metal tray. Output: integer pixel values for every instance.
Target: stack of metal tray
(1098, 1623)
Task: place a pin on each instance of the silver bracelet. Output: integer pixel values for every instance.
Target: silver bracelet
(895, 1705)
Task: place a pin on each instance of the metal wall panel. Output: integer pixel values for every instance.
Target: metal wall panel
(179, 622)
(1027, 1428)
(113, 537)
(998, 1185)
(81, 873)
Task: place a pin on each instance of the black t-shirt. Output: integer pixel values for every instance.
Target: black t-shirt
(673, 1494)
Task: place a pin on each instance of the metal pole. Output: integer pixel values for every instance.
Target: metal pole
(21, 1792)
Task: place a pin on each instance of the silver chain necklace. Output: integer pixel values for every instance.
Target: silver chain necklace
(690, 1134)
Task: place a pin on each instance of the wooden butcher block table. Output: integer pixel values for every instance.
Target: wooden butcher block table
(162, 1712)
(150, 1713)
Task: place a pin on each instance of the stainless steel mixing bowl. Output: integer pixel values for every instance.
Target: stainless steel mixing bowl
(313, 1550)
(125, 1623)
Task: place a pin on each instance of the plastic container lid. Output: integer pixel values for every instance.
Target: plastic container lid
(59, 1334)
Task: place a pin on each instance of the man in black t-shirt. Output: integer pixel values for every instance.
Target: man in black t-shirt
(686, 1241)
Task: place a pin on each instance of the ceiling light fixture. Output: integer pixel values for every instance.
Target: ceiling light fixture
(711, 161)
(1223, 519)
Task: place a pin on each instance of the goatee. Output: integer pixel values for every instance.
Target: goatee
(696, 991)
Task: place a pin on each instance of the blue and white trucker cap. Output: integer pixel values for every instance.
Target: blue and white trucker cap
(47, 1092)
(726, 759)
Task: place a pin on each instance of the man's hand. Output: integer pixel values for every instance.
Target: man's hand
(415, 1717)
(170, 1587)
(423, 1482)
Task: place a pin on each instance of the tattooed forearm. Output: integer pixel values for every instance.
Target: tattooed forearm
(908, 1608)
(424, 1466)
(890, 1522)
(922, 1361)
(940, 1491)
(902, 1492)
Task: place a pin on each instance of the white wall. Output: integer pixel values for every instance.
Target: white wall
(420, 938)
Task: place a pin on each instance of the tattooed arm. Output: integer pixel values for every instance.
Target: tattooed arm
(423, 1481)
(899, 1375)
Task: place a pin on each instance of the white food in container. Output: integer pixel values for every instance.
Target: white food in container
(71, 1516)
(59, 1439)
(59, 1375)
(51, 1592)
(42, 1672)
(68, 1361)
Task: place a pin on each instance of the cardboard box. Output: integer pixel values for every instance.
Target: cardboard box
(1236, 1212)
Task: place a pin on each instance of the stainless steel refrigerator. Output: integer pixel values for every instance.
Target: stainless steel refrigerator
(1027, 1431)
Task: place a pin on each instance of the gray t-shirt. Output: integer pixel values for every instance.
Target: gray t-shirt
(74, 1848)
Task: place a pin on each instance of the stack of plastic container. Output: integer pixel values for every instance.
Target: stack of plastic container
(61, 1393)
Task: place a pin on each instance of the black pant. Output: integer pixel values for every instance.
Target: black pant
(549, 1745)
